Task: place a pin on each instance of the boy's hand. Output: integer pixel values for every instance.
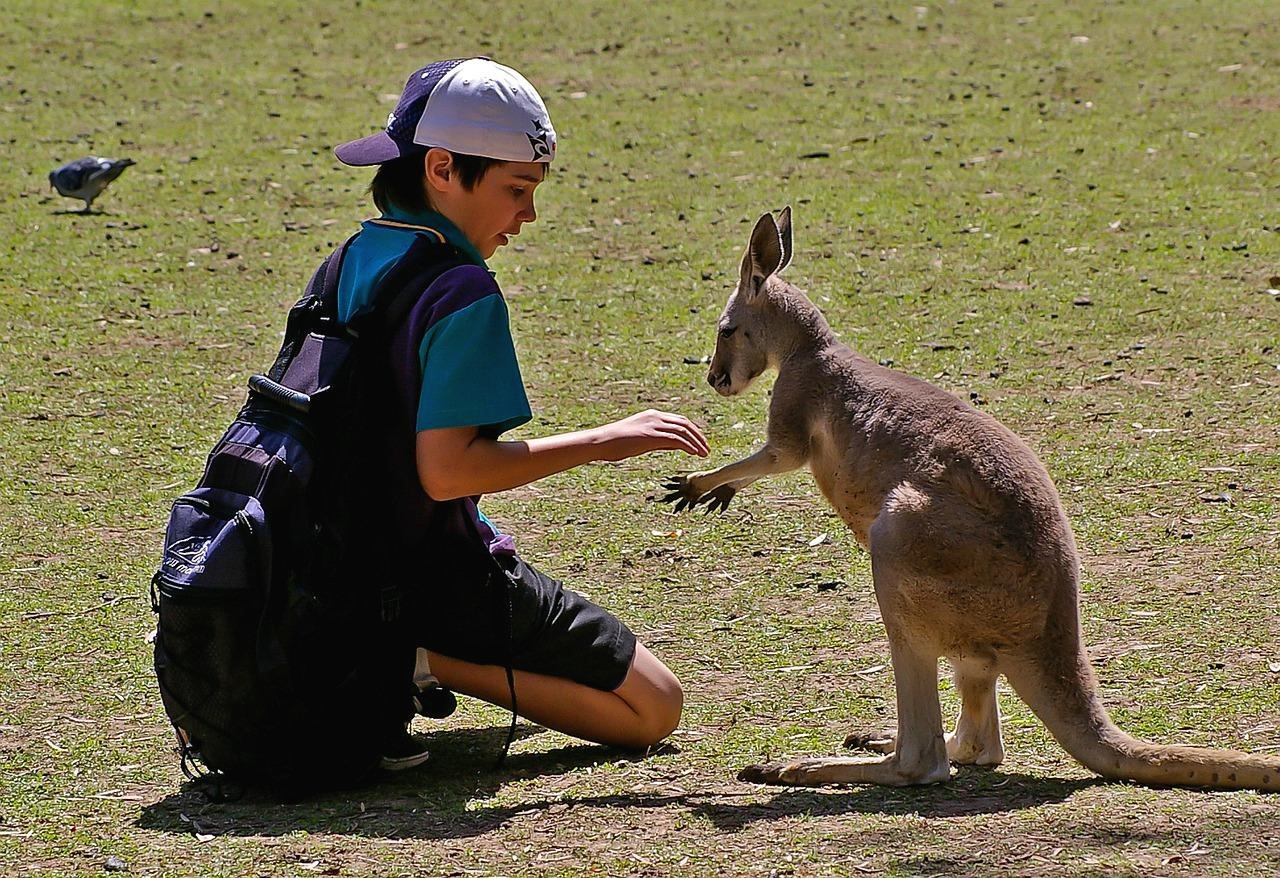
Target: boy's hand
(650, 431)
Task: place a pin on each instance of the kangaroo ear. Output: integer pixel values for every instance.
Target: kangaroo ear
(763, 257)
(784, 235)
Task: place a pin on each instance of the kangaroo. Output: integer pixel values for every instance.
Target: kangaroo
(972, 556)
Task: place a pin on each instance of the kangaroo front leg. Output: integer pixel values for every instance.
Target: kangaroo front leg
(717, 487)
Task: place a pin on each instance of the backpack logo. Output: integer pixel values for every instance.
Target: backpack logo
(188, 555)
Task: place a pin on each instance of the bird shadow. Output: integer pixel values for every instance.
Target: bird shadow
(69, 212)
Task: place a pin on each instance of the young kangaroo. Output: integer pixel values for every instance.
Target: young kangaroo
(971, 553)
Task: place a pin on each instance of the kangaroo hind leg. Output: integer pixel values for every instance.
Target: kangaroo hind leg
(976, 740)
(919, 757)
(919, 754)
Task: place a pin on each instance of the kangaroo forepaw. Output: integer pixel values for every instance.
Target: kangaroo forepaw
(684, 492)
(681, 492)
(717, 499)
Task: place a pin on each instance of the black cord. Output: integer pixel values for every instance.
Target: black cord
(511, 676)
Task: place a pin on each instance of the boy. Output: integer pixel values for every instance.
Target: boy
(468, 143)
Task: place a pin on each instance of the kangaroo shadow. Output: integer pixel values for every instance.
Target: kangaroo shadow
(429, 802)
(972, 792)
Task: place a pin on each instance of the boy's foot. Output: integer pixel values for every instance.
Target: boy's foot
(402, 751)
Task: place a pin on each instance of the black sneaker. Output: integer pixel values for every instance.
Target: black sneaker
(402, 751)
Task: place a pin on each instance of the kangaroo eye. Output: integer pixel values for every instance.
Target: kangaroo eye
(728, 331)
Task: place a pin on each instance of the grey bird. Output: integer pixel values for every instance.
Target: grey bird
(86, 178)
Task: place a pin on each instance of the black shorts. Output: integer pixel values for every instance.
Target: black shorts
(532, 622)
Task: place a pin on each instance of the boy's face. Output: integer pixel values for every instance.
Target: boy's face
(494, 210)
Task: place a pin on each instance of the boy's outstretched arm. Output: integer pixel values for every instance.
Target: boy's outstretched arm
(458, 462)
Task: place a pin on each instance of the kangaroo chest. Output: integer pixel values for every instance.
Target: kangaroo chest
(847, 474)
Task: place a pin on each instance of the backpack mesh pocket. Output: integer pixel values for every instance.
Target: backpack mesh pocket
(209, 592)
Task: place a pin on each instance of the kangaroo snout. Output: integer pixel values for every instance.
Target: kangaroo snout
(721, 381)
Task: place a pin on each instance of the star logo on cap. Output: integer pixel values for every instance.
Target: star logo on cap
(538, 140)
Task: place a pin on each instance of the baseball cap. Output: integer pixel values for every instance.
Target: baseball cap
(472, 106)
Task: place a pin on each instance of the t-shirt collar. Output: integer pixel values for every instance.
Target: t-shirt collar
(442, 224)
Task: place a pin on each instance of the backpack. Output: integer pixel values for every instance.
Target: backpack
(280, 651)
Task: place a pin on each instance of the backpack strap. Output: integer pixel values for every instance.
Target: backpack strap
(397, 293)
(324, 283)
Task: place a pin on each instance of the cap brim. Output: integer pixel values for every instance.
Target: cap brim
(373, 150)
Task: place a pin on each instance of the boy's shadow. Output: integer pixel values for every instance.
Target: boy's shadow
(431, 802)
(427, 802)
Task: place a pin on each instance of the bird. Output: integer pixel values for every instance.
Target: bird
(86, 178)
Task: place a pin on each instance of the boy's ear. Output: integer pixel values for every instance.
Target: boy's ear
(762, 259)
(437, 167)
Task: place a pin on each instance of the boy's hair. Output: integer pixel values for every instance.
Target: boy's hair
(399, 182)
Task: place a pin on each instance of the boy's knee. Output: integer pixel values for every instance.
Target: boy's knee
(663, 716)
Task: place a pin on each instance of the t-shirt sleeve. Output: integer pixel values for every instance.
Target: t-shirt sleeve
(470, 377)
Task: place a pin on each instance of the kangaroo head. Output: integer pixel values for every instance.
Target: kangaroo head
(743, 341)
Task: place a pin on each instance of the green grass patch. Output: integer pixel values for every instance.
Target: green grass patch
(1063, 212)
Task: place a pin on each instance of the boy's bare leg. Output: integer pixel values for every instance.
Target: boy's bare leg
(640, 712)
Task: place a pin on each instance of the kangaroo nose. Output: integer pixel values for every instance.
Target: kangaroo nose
(713, 378)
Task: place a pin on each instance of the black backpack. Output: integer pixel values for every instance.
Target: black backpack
(281, 653)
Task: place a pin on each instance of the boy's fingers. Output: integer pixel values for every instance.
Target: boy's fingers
(681, 440)
(693, 441)
(696, 435)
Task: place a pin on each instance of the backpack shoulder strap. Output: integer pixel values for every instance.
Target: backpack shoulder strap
(324, 283)
(318, 306)
(427, 258)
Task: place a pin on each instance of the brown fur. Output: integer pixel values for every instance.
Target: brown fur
(971, 553)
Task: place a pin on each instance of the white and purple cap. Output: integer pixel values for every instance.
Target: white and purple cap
(471, 106)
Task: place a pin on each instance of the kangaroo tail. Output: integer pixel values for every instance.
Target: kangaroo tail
(1063, 693)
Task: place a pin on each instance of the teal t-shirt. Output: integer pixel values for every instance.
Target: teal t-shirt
(470, 375)
(467, 359)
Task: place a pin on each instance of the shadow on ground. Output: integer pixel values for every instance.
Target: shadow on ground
(432, 802)
(972, 792)
(427, 802)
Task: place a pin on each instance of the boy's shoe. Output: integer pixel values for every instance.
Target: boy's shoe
(402, 751)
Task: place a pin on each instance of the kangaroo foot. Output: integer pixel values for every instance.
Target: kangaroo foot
(974, 750)
(835, 770)
(876, 742)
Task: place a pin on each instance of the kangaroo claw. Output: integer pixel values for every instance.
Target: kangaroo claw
(680, 490)
(717, 499)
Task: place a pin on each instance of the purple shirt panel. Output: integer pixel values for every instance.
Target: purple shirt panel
(450, 292)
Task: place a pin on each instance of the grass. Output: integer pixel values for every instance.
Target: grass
(1065, 213)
